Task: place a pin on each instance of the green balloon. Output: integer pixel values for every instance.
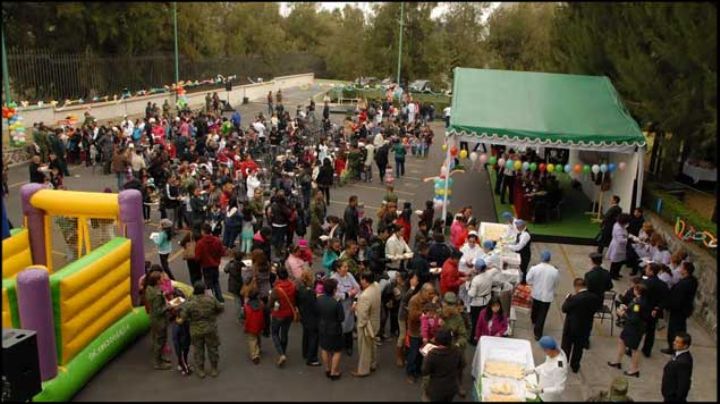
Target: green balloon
(586, 168)
(492, 160)
(533, 166)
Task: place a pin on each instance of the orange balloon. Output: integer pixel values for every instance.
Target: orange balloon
(577, 168)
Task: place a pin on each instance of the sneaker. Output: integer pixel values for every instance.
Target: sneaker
(201, 374)
(316, 363)
(256, 360)
(281, 361)
(213, 372)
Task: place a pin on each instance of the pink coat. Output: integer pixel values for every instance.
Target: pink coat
(498, 328)
(429, 326)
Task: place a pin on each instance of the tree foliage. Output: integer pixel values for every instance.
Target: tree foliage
(662, 57)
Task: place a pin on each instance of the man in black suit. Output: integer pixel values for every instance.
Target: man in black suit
(656, 297)
(598, 281)
(680, 304)
(609, 219)
(579, 309)
(677, 374)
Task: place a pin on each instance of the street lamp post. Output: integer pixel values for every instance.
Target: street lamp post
(6, 76)
(177, 69)
(402, 9)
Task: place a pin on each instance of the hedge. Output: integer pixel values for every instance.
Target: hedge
(672, 208)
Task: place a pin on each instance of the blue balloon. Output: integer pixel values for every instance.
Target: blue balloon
(567, 168)
(611, 167)
(525, 166)
(509, 164)
(603, 168)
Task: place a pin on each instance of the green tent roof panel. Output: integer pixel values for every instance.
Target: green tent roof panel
(541, 109)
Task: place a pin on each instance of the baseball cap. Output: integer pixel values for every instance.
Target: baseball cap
(450, 298)
(547, 342)
(545, 256)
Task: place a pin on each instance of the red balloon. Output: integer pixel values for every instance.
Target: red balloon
(454, 151)
(542, 167)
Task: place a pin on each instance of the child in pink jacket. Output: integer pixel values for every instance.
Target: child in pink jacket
(430, 322)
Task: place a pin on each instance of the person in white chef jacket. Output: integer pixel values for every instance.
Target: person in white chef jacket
(552, 374)
(470, 252)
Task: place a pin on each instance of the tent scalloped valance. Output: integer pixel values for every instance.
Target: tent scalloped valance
(619, 147)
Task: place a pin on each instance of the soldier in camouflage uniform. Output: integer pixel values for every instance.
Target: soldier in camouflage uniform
(158, 320)
(454, 322)
(201, 311)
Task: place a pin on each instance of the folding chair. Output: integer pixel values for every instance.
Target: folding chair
(607, 310)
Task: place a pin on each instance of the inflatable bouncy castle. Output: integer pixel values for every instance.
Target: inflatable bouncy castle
(87, 310)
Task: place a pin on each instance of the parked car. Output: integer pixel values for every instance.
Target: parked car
(420, 86)
(367, 81)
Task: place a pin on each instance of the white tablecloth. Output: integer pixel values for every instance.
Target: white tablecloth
(699, 174)
(503, 349)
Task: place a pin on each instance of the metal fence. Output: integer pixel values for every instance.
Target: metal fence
(41, 75)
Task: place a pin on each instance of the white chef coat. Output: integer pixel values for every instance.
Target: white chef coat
(552, 375)
(469, 254)
(481, 287)
(492, 259)
(524, 239)
(544, 279)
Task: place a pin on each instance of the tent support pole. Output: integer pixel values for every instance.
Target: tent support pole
(640, 172)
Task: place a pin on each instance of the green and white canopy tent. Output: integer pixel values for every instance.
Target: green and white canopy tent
(531, 109)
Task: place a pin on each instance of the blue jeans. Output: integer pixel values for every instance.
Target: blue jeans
(414, 359)
(279, 331)
(120, 180)
(230, 235)
(399, 167)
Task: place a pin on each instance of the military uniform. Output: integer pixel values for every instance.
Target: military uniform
(317, 216)
(456, 325)
(158, 323)
(201, 311)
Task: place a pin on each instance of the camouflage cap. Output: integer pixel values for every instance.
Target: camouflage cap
(619, 389)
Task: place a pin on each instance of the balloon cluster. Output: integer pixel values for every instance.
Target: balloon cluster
(15, 124)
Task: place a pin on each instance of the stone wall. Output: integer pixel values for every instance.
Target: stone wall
(705, 271)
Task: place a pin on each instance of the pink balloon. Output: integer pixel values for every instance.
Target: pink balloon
(621, 165)
(483, 158)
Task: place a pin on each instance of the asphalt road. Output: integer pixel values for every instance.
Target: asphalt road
(129, 377)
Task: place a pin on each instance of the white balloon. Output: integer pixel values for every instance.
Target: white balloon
(443, 171)
(473, 156)
(595, 168)
(501, 162)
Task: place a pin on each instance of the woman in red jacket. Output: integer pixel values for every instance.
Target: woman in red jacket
(282, 304)
(404, 221)
(450, 278)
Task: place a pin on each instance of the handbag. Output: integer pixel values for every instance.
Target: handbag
(296, 312)
(189, 251)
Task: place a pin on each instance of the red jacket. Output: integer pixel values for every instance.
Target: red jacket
(406, 229)
(450, 277)
(286, 303)
(208, 251)
(306, 255)
(254, 319)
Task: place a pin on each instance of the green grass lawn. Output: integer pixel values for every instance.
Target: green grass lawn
(573, 221)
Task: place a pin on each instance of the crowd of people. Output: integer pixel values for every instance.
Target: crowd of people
(220, 195)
